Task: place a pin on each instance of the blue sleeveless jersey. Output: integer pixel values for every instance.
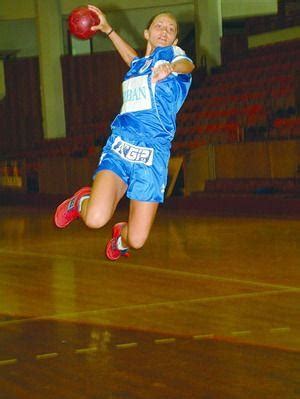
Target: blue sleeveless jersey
(138, 149)
(148, 114)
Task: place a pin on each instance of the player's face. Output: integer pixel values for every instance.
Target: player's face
(162, 32)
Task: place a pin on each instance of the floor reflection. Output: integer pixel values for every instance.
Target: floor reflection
(208, 309)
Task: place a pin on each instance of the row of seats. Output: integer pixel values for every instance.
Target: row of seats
(212, 89)
(76, 146)
(194, 134)
(267, 23)
(190, 137)
(278, 61)
(285, 128)
(228, 108)
(225, 102)
(215, 113)
(254, 114)
(257, 72)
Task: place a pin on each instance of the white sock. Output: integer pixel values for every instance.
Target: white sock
(119, 244)
(84, 197)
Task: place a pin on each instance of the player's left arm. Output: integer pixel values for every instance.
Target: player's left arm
(183, 65)
(180, 66)
(174, 60)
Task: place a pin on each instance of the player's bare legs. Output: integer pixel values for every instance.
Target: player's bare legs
(96, 207)
(141, 218)
(107, 190)
(134, 233)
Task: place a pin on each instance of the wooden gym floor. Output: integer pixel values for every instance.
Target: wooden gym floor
(209, 308)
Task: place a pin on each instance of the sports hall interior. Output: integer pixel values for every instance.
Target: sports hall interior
(210, 307)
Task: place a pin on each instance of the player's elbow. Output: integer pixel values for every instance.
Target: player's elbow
(190, 66)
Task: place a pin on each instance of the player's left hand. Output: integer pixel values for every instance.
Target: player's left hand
(161, 72)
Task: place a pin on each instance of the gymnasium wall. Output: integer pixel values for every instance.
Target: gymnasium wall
(17, 9)
(239, 9)
(73, 173)
(273, 37)
(2, 81)
(18, 30)
(18, 26)
(272, 159)
(19, 35)
(20, 9)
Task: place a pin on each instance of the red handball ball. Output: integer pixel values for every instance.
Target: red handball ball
(81, 20)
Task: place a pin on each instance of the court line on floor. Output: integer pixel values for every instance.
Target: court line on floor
(158, 341)
(8, 362)
(151, 269)
(279, 330)
(146, 306)
(91, 349)
(127, 345)
(279, 289)
(46, 356)
(207, 276)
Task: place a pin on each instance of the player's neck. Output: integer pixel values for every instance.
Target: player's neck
(149, 49)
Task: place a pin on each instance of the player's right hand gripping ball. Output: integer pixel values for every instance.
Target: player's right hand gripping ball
(81, 20)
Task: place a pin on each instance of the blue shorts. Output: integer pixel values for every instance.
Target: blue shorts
(143, 169)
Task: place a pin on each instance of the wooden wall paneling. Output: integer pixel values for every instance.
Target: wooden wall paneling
(22, 109)
(65, 67)
(197, 169)
(92, 89)
(36, 122)
(9, 101)
(78, 172)
(247, 160)
(53, 176)
(284, 158)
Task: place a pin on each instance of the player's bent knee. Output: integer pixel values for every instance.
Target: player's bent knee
(136, 241)
(95, 220)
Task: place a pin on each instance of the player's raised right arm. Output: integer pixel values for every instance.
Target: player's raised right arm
(124, 49)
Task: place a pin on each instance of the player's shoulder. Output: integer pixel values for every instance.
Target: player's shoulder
(168, 53)
(178, 50)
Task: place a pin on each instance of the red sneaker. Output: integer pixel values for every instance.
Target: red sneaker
(67, 211)
(112, 251)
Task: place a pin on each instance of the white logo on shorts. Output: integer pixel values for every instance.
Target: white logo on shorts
(133, 153)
